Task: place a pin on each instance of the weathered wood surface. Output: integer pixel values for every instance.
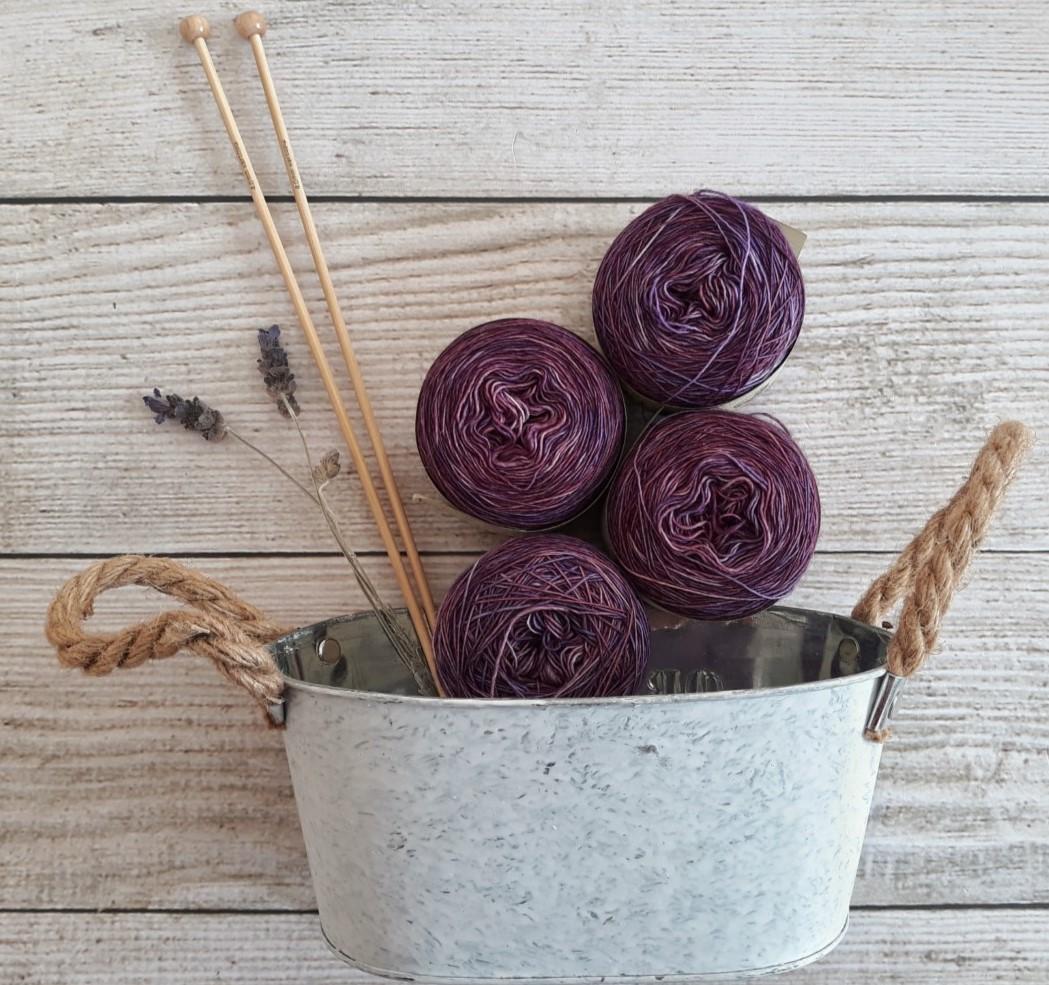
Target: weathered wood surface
(927, 322)
(918, 337)
(894, 947)
(159, 787)
(816, 97)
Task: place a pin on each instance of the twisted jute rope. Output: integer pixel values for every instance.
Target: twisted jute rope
(216, 624)
(221, 626)
(931, 567)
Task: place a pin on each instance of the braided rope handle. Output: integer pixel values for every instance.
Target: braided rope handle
(931, 567)
(216, 624)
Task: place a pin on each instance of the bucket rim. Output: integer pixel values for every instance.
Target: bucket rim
(620, 701)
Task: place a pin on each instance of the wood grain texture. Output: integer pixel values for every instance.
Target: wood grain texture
(926, 323)
(954, 947)
(159, 787)
(918, 337)
(818, 97)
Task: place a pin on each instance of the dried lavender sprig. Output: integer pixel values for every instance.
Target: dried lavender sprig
(197, 416)
(276, 372)
(327, 468)
(193, 415)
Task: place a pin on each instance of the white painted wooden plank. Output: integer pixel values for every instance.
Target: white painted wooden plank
(894, 947)
(926, 323)
(817, 97)
(159, 787)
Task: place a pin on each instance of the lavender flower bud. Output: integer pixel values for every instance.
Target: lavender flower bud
(327, 468)
(276, 373)
(193, 415)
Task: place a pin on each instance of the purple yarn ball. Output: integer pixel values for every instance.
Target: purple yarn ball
(541, 616)
(520, 423)
(698, 300)
(714, 515)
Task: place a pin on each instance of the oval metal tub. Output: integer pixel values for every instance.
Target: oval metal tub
(711, 833)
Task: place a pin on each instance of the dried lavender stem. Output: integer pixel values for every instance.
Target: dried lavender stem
(280, 468)
(318, 500)
(407, 649)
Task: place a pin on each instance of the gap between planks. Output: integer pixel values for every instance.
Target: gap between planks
(306, 912)
(437, 552)
(763, 199)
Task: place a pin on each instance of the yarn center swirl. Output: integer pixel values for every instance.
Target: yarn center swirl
(548, 646)
(716, 514)
(701, 296)
(515, 416)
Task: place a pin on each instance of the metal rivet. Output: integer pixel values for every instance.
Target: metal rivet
(848, 652)
(329, 651)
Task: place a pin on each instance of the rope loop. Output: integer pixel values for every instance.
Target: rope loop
(216, 624)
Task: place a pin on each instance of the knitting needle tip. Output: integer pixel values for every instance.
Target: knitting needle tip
(192, 28)
(250, 23)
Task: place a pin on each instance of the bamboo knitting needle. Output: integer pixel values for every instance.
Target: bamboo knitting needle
(195, 31)
(251, 25)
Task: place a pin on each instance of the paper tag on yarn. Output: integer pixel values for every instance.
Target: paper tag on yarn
(795, 237)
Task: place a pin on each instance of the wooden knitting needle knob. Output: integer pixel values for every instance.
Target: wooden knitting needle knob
(249, 23)
(194, 27)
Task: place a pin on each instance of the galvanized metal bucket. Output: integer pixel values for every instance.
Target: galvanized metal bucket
(710, 832)
(708, 829)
